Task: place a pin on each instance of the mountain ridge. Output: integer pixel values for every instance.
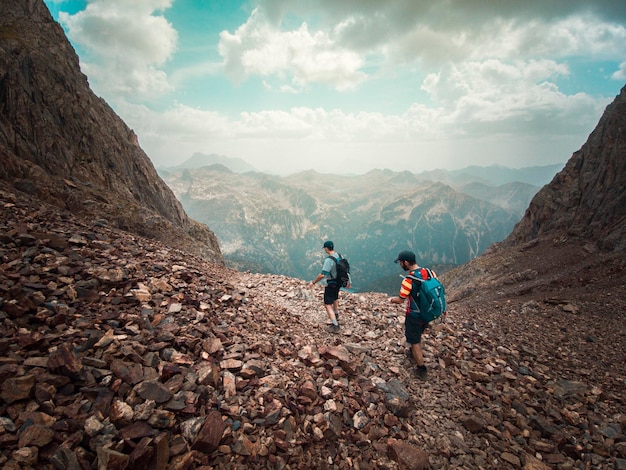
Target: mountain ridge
(574, 223)
(257, 216)
(60, 141)
(497, 175)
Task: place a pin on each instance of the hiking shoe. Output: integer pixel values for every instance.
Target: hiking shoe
(422, 372)
(333, 328)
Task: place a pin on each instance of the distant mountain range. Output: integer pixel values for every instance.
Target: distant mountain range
(274, 224)
(495, 175)
(199, 160)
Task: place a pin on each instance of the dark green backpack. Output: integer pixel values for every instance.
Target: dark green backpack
(343, 270)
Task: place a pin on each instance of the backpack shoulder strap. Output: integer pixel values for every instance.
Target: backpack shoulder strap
(421, 278)
(415, 288)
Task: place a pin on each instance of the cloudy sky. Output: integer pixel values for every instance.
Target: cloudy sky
(351, 85)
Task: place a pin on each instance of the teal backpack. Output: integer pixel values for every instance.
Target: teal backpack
(428, 297)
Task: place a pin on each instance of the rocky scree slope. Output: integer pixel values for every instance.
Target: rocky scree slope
(117, 351)
(567, 253)
(62, 143)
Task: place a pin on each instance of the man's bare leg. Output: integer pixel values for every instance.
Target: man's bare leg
(331, 313)
(416, 351)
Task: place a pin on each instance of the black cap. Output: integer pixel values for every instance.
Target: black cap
(405, 255)
(329, 244)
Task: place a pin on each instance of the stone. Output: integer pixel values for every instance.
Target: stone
(511, 459)
(210, 435)
(137, 430)
(142, 454)
(26, 456)
(17, 388)
(35, 435)
(408, 456)
(396, 397)
(129, 372)
(309, 390)
(65, 361)
(110, 459)
(154, 391)
(473, 424)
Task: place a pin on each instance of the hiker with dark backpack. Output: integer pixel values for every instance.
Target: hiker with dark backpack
(336, 271)
(425, 299)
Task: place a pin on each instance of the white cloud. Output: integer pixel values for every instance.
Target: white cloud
(489, 73)
(621, 73)
(519, 98)
(351, 37)
(125, 43)
(434, 44)
(299, 56)
(474, 103)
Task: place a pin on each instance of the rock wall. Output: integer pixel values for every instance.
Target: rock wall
(586, 200)
(62, 143)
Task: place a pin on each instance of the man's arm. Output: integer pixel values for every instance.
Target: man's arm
(405, 291)
(319, 277)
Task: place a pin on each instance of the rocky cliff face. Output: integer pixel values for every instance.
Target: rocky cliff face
(62, 143)
(586, 200)
(570, 242)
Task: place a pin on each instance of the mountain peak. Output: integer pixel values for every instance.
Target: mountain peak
(570, 244)
(199, 160)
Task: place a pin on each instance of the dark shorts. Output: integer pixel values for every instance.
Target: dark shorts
(331, 293)
(413, 329)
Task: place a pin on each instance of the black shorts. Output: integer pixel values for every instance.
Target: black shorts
(331, 293)
(414, 326)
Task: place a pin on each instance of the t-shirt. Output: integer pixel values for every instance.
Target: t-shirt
(407, 286)
(329, 268)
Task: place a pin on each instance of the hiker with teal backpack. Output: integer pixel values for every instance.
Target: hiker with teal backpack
(425, 300)
(336, 271)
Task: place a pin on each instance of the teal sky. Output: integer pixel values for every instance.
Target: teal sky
(349, 86)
